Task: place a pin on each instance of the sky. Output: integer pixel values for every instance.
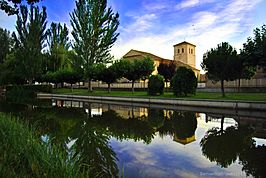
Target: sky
(156, 25)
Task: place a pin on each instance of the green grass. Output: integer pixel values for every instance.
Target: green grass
(199, 95)
(22, 154)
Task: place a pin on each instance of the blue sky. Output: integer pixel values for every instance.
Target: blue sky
(156, 25)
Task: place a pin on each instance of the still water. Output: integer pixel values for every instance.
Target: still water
(132, 141)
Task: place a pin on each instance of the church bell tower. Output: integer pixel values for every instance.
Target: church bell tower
(185, 52)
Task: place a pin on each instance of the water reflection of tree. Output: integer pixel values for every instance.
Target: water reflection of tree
(182, 124)
(155, 117)
(224, 146)
(93, 150)
(60, 125)
(121, 129)
(91, 134)
(253, 161)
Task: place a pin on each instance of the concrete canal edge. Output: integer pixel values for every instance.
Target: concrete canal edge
(230, 104)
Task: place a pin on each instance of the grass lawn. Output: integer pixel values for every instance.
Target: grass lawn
(199, 95)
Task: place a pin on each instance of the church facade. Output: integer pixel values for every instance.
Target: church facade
(184, 55)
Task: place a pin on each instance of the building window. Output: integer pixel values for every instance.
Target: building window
(182, 50)
(178, 50)
(191, 51)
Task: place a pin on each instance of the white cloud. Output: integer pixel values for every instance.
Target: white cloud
(187, 4)
(141, 23)
(191, 3)
(156, 5)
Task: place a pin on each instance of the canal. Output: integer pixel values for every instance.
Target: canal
(130, 140)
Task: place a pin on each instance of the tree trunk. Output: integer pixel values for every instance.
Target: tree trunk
(89, 110)
(222, 125)
(222, 88)
(89, 86)
(30, 81)
(238, 88)
(109, 87)
(71, 87)
(133, 86)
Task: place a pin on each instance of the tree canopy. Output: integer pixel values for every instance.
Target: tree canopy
(29, 40)
(138, 69)
(5, 44)
(11, 6)
(167, 70)
(58, 45)
(218, 63)
(94, 31)
(109, 76)
(156, 85)
(184, 82)
(254, 50)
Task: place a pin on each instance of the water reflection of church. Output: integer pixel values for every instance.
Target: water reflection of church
(166, 122)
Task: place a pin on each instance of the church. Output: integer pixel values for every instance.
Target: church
(184, 55)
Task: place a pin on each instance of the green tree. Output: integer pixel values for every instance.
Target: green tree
(147, 68)
(5, 44)
(167, 71)
(156, 85)
(121, 67)
(218, 63)
(184, 82)
(254, 49)
(65, 75)
(138, 69)
(8, 71)
(11, 6)
(242, 70)
(58, 45)
(94, 32)
(30, 38)
(109, 76)
(75, 62)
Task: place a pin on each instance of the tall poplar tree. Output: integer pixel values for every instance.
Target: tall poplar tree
(11, 6)
(5, 44)
(94, 31)
(58, 44)
(30, 38)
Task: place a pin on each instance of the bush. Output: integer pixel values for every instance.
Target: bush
(155, 85)
(184, 82)
(26, 90)
(48, 77)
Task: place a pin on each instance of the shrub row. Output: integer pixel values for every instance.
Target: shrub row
(61, 76)
(26, 90)
(183, 82)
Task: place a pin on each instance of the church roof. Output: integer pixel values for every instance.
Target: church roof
(136, 53)
(185, 42)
